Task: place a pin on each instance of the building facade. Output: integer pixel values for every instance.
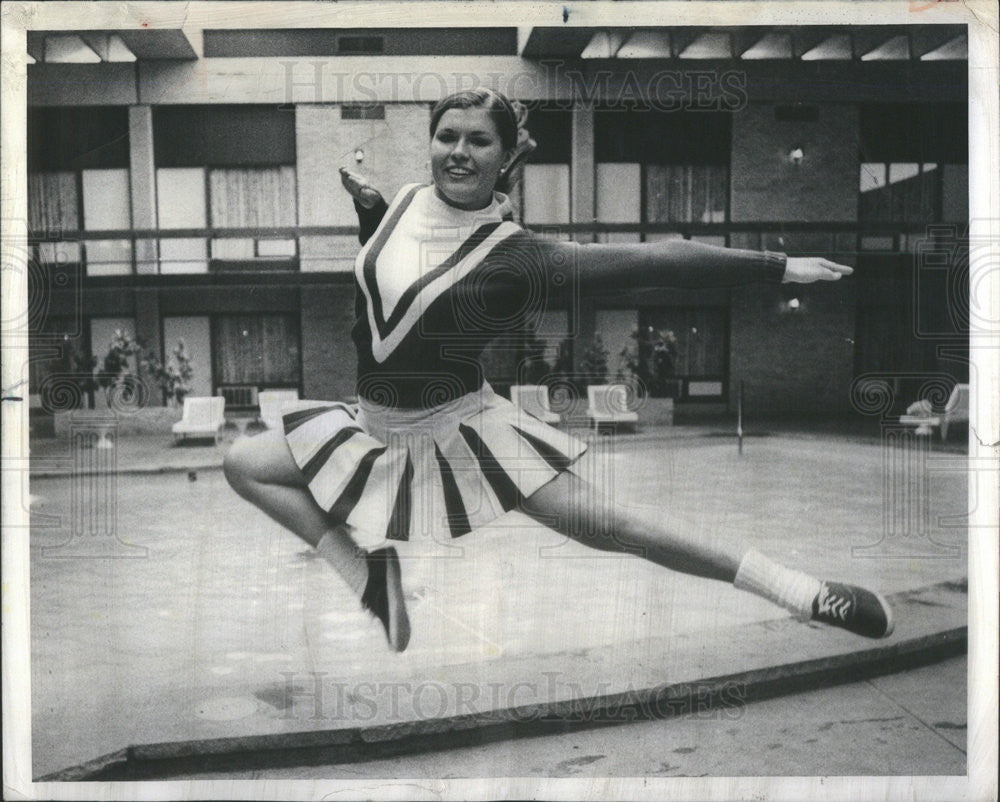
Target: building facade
(183, 185)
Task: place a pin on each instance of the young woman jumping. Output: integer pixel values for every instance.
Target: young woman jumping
(430, 450)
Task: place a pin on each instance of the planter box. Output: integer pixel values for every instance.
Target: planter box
(148, 420)
(655, 411)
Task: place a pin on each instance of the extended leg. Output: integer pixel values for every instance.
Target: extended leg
(575, 508)
(580, 511)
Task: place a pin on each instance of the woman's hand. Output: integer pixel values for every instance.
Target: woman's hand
(807, 269)
(359, 188)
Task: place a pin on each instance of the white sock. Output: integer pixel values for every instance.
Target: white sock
(793, 590)
(337, 548)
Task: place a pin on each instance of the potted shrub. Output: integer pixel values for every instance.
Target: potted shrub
(648, 365)
(70, 383)
(174, 377)
(594, 363)
(127, 370)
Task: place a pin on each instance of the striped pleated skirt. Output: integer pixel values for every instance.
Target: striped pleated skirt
(438, 473)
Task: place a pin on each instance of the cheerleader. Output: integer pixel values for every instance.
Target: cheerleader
(429, 450)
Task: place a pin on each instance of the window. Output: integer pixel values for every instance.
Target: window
(257, 350)
(913, 166)
(252, 198)
(686, 193)
(60, 364)
(180, 203)
(900, 192)
(54, 207)
(362, 111)
(653, 167)
(683, 351)
(107, 207)
(913, 173)
(78, 177)
(226, 167)
(545, 184)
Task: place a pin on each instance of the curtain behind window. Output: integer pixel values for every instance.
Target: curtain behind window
(256, 349)
(700, 340)
(253, 197)
(53, 204)
(680, 193)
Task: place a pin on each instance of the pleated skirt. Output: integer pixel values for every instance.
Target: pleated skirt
(437, 473)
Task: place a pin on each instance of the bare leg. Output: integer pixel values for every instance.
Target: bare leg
(580, 511)
(577, 509)
(261, 469)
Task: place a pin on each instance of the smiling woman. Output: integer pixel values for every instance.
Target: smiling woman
(470, 146)
(430, 451)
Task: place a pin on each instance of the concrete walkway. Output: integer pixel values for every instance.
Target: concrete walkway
(158, 453)
(882, 725)
(325, 719)
(184, 622)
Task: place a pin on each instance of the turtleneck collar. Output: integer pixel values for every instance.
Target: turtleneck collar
(498, 209)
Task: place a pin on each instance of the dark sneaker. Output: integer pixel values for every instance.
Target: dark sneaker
(383, 596)
(852, 608)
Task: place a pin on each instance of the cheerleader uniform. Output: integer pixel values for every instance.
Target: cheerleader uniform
(430, 450)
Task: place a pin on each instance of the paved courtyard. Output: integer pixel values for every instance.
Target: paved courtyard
(195, 616)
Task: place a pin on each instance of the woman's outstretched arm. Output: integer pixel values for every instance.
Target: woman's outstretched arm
(670, 263)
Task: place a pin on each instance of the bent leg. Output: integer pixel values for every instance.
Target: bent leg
(261, 469)
(582, 512)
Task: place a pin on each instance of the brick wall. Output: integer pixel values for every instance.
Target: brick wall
(395, 153)
(798, 363)
(766, 186)
(328, 362)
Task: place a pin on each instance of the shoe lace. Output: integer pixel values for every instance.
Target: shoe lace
(833, 604)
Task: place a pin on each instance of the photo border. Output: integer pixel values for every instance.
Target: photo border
(984, 434)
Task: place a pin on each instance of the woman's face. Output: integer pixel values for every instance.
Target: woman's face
(466, 157)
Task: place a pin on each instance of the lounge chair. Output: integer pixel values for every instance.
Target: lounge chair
(203, 417)
(272, 403)
(608, 404)
(533, 399)
(921, 415)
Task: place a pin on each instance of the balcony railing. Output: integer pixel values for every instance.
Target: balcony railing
(144, 255)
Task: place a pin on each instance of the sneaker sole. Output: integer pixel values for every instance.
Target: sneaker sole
(890, 622)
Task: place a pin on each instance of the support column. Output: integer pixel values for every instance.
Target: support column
(142, 184)
(585, 323)
(582, 210)
(147, 330)
(582, 203)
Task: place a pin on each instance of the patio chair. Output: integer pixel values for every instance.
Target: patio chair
(533, 399)
(608, 404)
(203, 417)
(272, 404)
(920, 413)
